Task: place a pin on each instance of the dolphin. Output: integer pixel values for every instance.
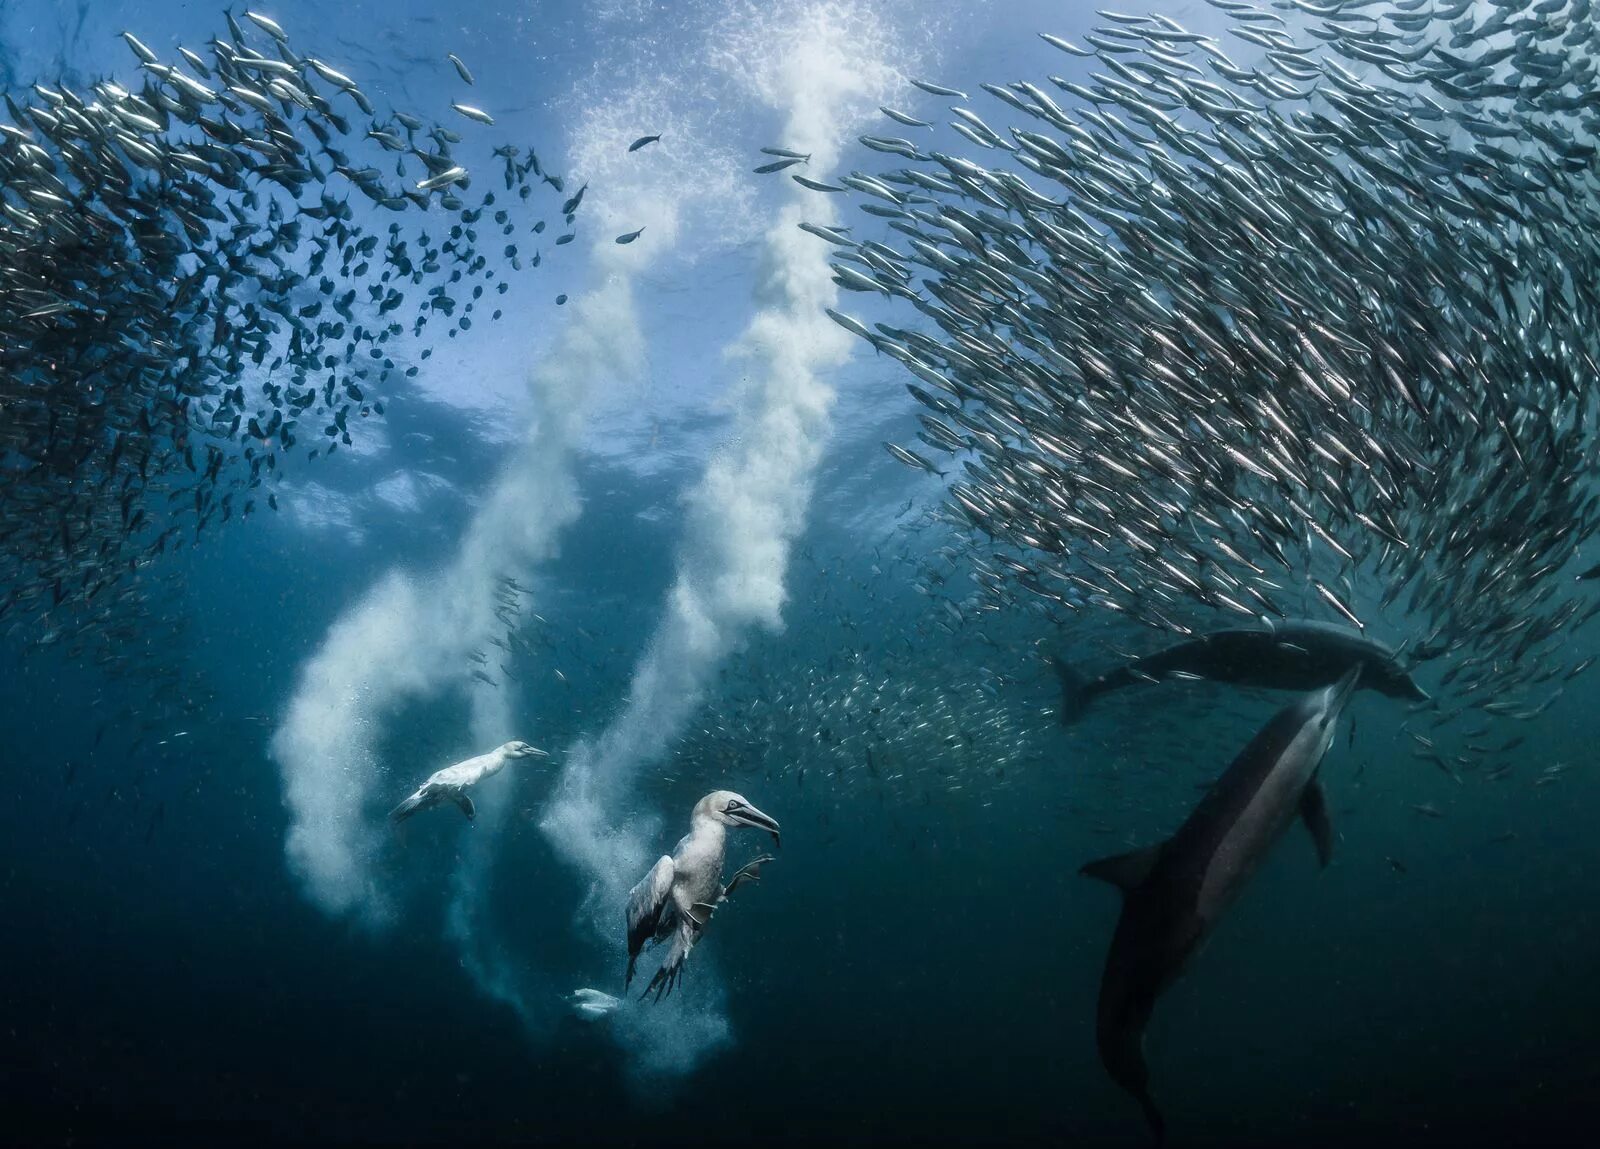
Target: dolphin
(1294, 654)
(1174, 893)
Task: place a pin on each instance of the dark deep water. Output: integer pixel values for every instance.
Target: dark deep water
(906, 973)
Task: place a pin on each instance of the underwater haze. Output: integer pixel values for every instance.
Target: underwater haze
(1113, 492)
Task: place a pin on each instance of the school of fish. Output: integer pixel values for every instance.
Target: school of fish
(1307, 336)
(196, 280)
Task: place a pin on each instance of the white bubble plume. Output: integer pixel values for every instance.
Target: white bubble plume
(410, 636)
(824, 66)
(656, 191)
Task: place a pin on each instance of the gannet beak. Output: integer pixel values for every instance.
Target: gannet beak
(750, 816)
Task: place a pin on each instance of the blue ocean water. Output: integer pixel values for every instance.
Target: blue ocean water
(920, 962)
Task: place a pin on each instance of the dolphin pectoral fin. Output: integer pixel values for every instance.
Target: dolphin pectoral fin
(1074, 692)
(466, 805)
(1125, 871)
(1314, 811)
(1406, 687)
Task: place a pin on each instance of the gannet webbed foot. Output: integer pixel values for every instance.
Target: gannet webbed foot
(750, 871)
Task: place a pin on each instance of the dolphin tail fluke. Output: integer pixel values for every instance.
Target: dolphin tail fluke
(1075, 691)
(407, 808)
(1152, 1115)
(1122, 1052)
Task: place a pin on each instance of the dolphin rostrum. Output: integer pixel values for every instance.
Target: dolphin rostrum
(1175, 892)
(1294, 654)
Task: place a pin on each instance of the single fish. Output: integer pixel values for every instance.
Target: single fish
(268, 25)
(472, 113)
(816, 185)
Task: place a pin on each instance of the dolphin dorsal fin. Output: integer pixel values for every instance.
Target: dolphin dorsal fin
(1125, 871)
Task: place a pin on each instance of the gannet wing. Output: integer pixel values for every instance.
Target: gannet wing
(465, 803)
(646, 902)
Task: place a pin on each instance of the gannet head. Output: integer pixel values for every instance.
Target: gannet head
(734, 810)
(521, 750)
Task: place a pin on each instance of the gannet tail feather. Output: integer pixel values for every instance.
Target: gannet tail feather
(671, 970)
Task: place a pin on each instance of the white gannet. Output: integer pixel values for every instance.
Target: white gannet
(592, 1005)
(451, 783)
(681, 891)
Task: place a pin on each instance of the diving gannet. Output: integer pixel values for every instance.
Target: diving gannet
(451, 783)
(681, 891)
